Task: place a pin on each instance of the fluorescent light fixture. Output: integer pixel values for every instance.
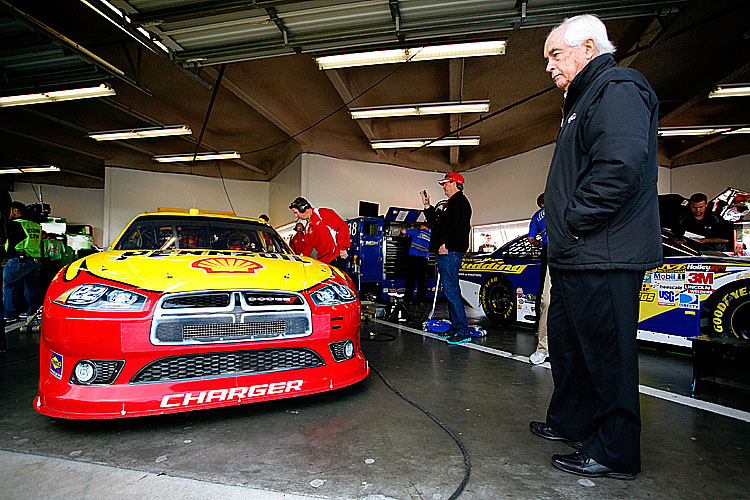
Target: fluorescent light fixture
(432, 108)
(741, 130)
(692, 131)
(416, 143)
(58, 95)
(31, 169)
(188, 157)
(739, 90)
(414, 54)
(140, 133)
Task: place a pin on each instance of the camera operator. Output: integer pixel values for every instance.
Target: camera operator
(22, 271)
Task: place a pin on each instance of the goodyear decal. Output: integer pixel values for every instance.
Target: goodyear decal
(56, 364)
(238, 393)
(722, 308)
(227, 265)
(493, 267)
(228, 253)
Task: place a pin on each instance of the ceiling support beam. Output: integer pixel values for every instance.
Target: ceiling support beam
(67, 44)
(346, 95)
(455, 90)
(261, 102)
(697, 147)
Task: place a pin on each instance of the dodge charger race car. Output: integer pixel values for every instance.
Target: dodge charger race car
(194, 310)
(696, 291)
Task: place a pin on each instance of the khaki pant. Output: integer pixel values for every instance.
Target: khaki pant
(543, 308)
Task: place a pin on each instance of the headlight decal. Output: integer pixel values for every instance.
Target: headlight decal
(98, 297)
(333, 294)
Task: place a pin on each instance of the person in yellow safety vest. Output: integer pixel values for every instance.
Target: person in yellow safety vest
(52, 253)
(22, 271)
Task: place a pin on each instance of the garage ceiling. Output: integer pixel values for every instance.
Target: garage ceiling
(164, 59)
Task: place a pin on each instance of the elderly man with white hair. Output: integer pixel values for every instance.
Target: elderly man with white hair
(603, 229)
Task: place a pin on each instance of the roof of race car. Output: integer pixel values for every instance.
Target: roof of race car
(188, 212)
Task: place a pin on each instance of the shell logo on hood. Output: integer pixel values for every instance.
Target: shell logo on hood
(227, 265)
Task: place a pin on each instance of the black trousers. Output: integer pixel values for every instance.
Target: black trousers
(592, 327)
(417, 272)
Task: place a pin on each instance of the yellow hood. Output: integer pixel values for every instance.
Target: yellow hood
(192, 270)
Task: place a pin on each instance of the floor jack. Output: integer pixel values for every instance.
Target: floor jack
(442, 326)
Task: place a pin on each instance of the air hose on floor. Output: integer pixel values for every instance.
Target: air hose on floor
(467, 462)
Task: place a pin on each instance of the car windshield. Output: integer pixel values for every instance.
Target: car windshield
(681, 246)
(175, 232)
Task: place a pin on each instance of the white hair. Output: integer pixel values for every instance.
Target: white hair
(578, 29)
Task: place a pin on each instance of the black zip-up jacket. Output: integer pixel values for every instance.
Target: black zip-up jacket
(601, 199)
(451, 225)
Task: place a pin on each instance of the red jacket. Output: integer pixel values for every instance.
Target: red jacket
(297, 242)
(327, 233)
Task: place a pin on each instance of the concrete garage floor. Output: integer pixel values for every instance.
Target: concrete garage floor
(364, 442)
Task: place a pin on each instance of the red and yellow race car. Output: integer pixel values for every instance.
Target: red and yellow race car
(194, 310)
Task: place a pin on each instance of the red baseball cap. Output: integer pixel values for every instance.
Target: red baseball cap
(452, 176)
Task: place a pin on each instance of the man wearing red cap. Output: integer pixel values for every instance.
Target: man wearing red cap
(451, 225)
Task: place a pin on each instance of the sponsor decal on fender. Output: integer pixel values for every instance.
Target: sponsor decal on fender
(227, 265)
(238, 393)
(494, 267)
(688, 301)
(56, 364)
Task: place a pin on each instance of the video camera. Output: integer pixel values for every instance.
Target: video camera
(37, 212)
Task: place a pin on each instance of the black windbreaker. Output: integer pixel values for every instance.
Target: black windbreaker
(451, 225)
(601, 199)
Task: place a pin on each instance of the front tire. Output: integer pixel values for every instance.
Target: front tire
(729, 312)
(498, 299)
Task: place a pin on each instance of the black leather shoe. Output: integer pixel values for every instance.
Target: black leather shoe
(583, 465)
(545, 431)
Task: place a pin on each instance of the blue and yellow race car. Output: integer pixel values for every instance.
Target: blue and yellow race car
(696, 291)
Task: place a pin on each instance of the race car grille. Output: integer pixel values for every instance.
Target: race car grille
(197, 300)
(230, 316)
(272, 328)
(224, 364)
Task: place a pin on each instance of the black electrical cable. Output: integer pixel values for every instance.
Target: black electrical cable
(225, 186)
(208, 111)
(467, 463)
(345, 105)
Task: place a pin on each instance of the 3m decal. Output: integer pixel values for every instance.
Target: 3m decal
(238, 393)
(699, 282)
(227, 265)
(493, 267)
(56, 364)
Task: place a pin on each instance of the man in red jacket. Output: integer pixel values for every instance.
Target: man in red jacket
(326, 233)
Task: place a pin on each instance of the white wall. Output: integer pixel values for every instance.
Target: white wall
(283, 189)
(76, 205)
(712, 178)
(341, 184)
(506, 190)
(130, 192)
